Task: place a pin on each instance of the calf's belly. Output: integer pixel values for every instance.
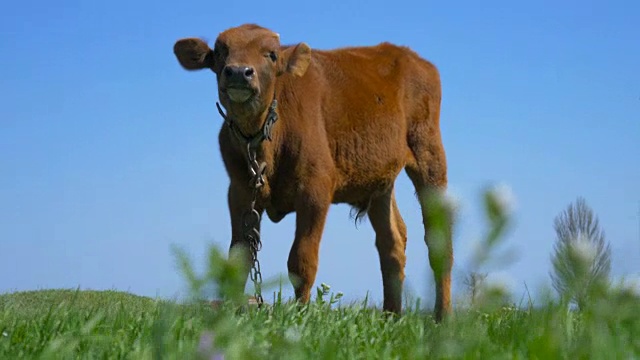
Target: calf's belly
(361, 183)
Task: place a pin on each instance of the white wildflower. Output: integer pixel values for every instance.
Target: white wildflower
(500, 282)
(632, 284)
(504, 196)
(494, 291)
(325, 288)
(452, 201)
(292, 334)
(584, 250)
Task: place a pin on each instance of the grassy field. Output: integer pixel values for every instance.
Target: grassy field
(114, 325)
(68, 324)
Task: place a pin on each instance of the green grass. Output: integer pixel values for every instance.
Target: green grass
(114, 325)
(69, 324)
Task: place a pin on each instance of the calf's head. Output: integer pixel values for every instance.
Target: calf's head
(247, 60)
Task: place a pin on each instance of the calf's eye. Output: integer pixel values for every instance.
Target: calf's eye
(273, 56)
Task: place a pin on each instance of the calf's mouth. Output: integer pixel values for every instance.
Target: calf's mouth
(239, 94)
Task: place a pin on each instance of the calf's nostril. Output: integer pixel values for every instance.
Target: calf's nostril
(228, 71)
(248, 72)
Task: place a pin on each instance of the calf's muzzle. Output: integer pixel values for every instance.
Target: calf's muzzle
(240, 75)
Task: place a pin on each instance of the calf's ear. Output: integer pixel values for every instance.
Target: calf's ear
(296, 59)
(193, 54)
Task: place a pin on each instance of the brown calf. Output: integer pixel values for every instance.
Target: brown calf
(349, 120)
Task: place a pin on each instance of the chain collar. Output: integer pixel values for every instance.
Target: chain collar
(251, 218)
(264, 133)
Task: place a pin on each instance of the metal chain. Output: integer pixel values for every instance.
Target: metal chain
(251, 221)
(251, 218)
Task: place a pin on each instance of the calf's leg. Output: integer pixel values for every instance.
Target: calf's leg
(391, 242)
(239, 200)
(312, 207)
(428, 172)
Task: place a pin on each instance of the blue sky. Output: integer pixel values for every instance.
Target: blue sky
(109, 154)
